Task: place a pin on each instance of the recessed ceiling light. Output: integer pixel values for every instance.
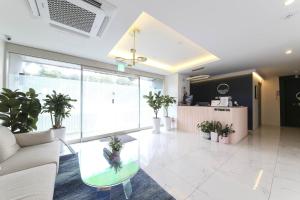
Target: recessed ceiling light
(287, 52)
(288, 2)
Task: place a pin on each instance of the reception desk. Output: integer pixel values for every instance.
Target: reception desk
(189, 116)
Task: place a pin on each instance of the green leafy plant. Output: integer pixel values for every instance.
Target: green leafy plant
(216, 126)
(155, 101)
(19, 111)
(227, 130)
(167, 101)
(205, 126)
(115, 144)
(59, 107)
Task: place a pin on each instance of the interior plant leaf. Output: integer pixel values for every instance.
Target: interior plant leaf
(58, 106)
(18, 110)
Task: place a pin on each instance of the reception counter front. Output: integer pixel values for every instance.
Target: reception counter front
(189, 116)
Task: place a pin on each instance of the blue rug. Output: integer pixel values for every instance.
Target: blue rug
(69, 185)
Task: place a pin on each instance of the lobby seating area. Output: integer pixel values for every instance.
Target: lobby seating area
(29, 164)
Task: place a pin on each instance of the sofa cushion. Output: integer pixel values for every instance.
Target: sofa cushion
(35, 183)
(30, 139)
(31, 156)
(8, 144)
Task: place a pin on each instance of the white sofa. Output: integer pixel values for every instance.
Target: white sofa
(28, 165)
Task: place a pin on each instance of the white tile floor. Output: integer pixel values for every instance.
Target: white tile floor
(264, 166)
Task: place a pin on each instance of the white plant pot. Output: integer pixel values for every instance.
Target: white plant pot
(156, 125)
(205, 135)
(214, 136)
(61, 134)
(168, 122)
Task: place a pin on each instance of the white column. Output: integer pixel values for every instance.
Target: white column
(2, 62)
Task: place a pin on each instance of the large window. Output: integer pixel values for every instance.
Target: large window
(45, 76)
(110, 103)
(106, 102)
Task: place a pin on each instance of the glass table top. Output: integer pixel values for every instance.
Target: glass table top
(99, 170)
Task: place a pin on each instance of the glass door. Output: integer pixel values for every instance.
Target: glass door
(110, 103)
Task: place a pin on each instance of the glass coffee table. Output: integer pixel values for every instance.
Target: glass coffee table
(99, 171)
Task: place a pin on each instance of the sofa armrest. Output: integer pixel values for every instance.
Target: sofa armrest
(31, 139)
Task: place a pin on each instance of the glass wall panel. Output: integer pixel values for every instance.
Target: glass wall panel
(110, 103)
(45, 76)
(147, 85)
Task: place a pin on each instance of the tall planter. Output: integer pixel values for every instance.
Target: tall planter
(61, 134)
(167, 101)
(156, 125)
(59, 107)
(155, 102)
(168, 122)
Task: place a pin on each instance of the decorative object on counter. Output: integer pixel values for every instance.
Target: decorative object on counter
(205, 129)
(167, 101)
(215, 131)
(113, 159)
(59, 107)
(185, 95)
(155, 102)
(19, 111)
(225, 132)
(116, 145)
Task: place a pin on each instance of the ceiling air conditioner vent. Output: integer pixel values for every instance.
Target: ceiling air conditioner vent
(88, 17)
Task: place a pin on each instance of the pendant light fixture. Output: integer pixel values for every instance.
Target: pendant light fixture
(131, 62)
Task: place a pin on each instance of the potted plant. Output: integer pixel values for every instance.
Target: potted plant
(167, 101)
(155, 102)
(19, 111)
(216, 128)
(205, 128)
(225, 132)
(116, 145)
(59, 107)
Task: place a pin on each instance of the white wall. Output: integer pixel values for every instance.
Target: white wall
(174, 86)
(255, 107)
(171, 88)
(271, 102)
(2, 62)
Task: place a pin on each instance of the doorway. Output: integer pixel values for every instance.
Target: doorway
(290, 101)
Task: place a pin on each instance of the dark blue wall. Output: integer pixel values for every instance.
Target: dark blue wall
(240, 91)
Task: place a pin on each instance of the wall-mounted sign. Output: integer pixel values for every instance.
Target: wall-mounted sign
(223, 88)
(298, 96)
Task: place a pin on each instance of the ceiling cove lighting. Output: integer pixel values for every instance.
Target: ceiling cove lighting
(257, 76)
(288, 2)
(289, 51)
(163, 46)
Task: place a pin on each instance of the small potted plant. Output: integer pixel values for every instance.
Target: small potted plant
(205, 128)
(167, 101)
(155, 102)
(216, 129)
(59, 107)
(116, 145)
(225, 132)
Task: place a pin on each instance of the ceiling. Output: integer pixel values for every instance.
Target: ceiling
(242, 34)
(175, 52)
